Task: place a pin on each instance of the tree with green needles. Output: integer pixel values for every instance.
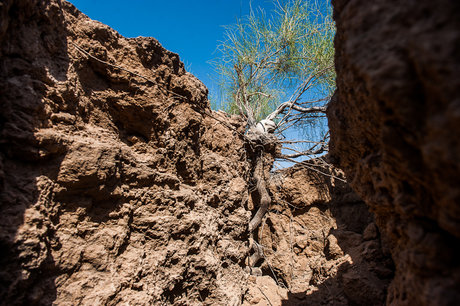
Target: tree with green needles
(277, 72)
(280, 67)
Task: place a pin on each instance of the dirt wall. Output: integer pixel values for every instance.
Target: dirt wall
(113, 188)
(395, 131)
(118, 184)
(321, 245)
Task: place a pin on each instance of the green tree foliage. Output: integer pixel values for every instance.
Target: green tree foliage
(279, 66)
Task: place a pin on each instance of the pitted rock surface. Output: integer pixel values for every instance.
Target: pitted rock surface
(122, 187)
(113, 189)
(395, 131)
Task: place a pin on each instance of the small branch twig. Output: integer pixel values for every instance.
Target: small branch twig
(304, 164)
(266, 297)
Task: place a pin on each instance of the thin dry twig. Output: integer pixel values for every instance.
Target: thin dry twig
(266, 297)
(304, 164)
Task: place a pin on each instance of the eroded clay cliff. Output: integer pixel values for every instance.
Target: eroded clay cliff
(395, 130)
(114, 189)
(321, 244)
(120, 185)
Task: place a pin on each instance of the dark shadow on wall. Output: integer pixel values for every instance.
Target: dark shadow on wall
(33, 52)
(365, 280)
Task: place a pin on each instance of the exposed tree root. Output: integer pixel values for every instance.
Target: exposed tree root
(258, 252)
(262, 148)
(264, 203)
(265, 199)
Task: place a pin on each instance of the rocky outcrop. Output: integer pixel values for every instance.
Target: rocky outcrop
(114, 189)
(321, 245)
(395, 130)
(119, 185)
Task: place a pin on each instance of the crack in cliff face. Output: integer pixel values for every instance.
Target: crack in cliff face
(320, 244)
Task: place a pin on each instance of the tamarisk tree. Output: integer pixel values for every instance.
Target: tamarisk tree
(277, 72)
(279, 67)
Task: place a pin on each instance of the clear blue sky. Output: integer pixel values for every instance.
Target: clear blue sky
(191, 28)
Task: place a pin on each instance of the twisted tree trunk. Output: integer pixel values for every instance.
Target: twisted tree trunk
(262, 148)
(265, 199)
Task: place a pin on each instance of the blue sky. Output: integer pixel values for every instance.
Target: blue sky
(191, 28)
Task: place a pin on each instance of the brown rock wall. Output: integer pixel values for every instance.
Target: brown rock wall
(395, 131)
(117, 187)
(321, 245)
(114, 189)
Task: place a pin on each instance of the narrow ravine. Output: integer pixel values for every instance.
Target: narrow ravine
(120, 185)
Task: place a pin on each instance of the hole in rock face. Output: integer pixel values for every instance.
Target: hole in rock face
(193, 251)
(175, 293)
(2, 122)
(174, 261)
(204, 294)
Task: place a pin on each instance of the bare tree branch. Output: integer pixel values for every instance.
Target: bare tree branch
(320, 150)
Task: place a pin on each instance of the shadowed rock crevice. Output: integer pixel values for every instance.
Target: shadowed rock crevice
(29, 40)
(320, 244)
